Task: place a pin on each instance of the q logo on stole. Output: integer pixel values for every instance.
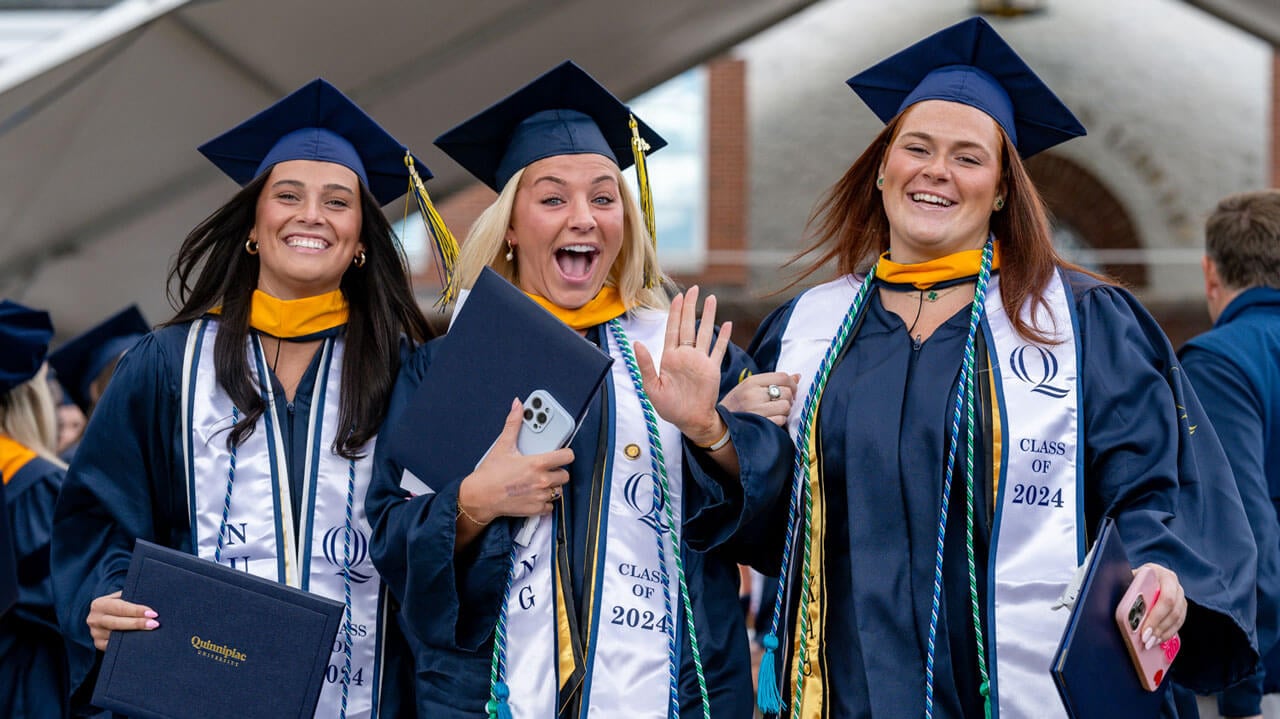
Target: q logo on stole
(1037, 366)
(650, 508)
(335, 538)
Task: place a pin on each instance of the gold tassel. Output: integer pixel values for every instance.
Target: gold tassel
(442, 240)
(638, 149)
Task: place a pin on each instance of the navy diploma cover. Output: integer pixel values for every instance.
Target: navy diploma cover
(1092, 669)
(229, 644)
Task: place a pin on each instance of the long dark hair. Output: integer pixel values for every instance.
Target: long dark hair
(212, 268)
(849, 225)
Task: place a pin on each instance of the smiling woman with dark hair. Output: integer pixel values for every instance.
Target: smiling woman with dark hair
(242, 430)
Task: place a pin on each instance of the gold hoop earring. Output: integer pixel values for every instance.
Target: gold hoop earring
(251, 246)
(511, 252)
(358, 260)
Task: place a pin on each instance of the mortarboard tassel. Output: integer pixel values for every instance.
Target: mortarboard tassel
(638, 149)
(768, 694)
(445, 245)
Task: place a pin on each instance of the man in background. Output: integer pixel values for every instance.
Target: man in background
(1235, 370)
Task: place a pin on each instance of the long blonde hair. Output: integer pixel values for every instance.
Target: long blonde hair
(485, 246)
(29, 417)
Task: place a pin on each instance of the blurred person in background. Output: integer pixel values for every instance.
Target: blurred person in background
(1235, 369)
(33, 660)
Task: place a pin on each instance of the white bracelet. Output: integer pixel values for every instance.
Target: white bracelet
(724, 439)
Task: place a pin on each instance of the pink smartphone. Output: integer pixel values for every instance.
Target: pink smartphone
(1152, 664)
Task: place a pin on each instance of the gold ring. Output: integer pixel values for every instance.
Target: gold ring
(687, 343)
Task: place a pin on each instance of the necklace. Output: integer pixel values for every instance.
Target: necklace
(932, 295)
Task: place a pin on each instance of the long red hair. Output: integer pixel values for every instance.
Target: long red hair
(849, 225)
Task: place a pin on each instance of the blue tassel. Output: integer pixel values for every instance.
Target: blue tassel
(498, 708)
(769, 694)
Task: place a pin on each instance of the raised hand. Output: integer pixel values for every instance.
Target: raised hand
(687, 386)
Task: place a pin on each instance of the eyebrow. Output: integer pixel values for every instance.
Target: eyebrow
(300, 185)
(561, 181)
(959, 144)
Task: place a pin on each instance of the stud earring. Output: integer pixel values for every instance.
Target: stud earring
(999, 204)
(358, 260)
(879, 182)
(251, 246)
(511, 252)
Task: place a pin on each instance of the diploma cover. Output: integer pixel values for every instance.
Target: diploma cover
(501, 346)
(1092, 668)
(229, 644)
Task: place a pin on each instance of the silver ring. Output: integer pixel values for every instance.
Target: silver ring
(775, 392)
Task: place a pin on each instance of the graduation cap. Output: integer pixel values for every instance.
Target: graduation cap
(24, 338)
(564, 111)
(318, 122)
(969, 63)
(79, 362)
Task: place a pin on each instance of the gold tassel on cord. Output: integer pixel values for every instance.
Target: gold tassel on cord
(638, 149)
(445, 245)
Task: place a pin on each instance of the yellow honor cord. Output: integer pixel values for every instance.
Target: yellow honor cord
(442, 240)
(638, 149)
(606, 305)
(924, 275)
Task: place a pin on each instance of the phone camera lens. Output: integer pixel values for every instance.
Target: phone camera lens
(528, 414)
(537, 403)
(542, 418)
(1136, 612)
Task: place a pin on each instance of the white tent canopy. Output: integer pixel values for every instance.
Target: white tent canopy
(98, 128)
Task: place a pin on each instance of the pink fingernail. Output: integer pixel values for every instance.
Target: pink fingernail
(150, 614)
(152, 624)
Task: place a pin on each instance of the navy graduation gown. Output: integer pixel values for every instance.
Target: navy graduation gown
(450, 603)
(126, 483)
(883, 428)
(33, 661)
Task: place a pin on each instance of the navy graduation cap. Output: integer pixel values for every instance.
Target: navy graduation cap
(24, 339)
(79, 362)
(564, 111)
(971, 64)
(315, 122)
(318, 122)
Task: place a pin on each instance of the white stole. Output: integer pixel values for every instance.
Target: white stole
(627, 660)
(260, 536)
(1036, 540)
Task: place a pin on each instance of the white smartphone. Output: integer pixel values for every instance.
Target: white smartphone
(546, 427)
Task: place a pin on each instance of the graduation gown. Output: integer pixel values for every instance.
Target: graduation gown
(33, 661)
(127, 482)
(450, 603)
(883, 428)
(1235, 372)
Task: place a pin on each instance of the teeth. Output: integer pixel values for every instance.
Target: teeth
(932, 199)
(307, 242)
(578, 248)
